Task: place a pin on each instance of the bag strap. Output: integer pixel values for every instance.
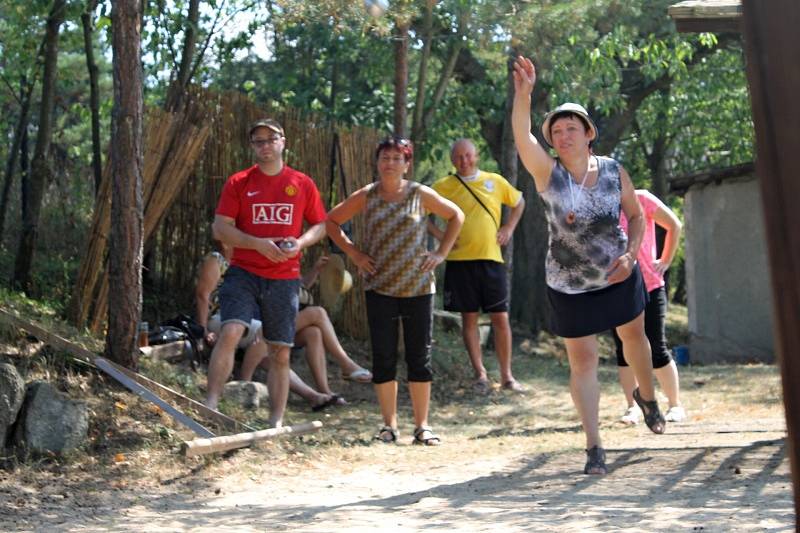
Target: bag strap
(496, 225)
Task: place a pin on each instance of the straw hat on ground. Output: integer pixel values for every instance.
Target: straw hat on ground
(334, 280)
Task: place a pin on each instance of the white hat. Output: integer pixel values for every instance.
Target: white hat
(565, 108)
(334, 280)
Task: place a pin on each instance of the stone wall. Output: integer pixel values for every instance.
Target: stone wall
(727, 273)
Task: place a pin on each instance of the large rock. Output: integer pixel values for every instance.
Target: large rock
(12, 394)
(248, 394)
(50, 421)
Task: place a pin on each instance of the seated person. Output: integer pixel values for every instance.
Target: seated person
(313, 330)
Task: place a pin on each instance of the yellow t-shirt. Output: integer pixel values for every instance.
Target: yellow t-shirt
(478, 237)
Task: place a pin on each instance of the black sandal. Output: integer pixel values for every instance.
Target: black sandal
(652, 414)
(431, 440)
(334, 400)
(386, 435)
(595, 461)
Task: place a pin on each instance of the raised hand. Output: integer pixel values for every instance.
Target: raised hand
(524, 75)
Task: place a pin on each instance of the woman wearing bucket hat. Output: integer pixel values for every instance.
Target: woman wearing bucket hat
(398, 272)
(594, 283)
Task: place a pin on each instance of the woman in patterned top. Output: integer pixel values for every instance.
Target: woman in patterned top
(594, 283)
(398, 276)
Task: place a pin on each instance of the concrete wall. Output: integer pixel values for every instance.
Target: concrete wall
(727, 274)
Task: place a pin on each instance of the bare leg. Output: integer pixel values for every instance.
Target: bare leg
(472, 342)
(420, 392)
(628, 382)
(311, 338)
(668, 379)
(278, 383)
(255, 355)
(636, 348)
(502, 345)
(221, 364)
(387, 399)
(296, 385)
(317, 316)
(584, 386)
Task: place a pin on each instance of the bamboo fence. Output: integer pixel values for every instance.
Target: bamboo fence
(185, 235)
(172, 145)
(187, 160)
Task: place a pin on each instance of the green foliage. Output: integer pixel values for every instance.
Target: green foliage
(329, 56)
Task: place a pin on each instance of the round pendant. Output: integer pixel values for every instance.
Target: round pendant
(570, 217)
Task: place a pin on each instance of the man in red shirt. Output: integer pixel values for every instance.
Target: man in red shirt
(260, 213)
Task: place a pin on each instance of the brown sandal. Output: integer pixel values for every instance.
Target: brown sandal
(652, 414)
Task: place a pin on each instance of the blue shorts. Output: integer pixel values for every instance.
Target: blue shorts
(244, 296)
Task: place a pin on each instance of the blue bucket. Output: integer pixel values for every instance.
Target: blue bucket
(681, 355)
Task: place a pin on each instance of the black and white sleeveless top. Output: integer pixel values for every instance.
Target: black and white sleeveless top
(580, 253)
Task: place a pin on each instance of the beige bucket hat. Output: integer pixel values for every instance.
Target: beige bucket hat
(334, 280)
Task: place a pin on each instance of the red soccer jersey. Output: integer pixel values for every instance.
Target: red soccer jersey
(270, 206)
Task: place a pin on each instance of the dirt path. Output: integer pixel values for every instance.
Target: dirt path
(699, 477)
(508, 462)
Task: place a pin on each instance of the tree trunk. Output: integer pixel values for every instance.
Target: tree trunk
(400, 77)
(422, 76)
(125, 238)
(41, 165)
(94, 92)
(184, 72)
(24, 173)
(530, 238)
(26, 91)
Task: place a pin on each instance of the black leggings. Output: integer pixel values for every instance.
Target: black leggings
(384, 314)
(655, 315)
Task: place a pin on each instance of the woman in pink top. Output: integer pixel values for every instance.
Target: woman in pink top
(653, 268)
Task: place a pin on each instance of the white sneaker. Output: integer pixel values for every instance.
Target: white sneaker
(675, 414)
(632, 416)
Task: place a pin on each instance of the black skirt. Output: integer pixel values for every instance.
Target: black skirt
(587, 313)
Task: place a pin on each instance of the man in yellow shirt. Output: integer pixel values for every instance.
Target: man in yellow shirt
(475, 276)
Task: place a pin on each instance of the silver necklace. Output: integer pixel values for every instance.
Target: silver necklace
(571, 215)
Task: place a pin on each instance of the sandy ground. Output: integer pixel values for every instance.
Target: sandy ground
(700, 476)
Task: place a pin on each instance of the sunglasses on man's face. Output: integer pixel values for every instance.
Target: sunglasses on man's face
(258, 143)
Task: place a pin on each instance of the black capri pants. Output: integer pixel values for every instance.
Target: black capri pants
(384, 314)
(655, 317)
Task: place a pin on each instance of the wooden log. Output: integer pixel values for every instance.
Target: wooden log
(48, 337)
(242, 440)
(772, 43)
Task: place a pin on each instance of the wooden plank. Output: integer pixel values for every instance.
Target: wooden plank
(772, 49)
(707, 9)
(713, 25)
(242, 440)
(184, 401)
(172, 352)
(718, 16)
(680, 184)
(47, 337)
(111, 369)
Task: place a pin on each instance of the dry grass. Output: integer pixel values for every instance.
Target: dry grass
(134, 444)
